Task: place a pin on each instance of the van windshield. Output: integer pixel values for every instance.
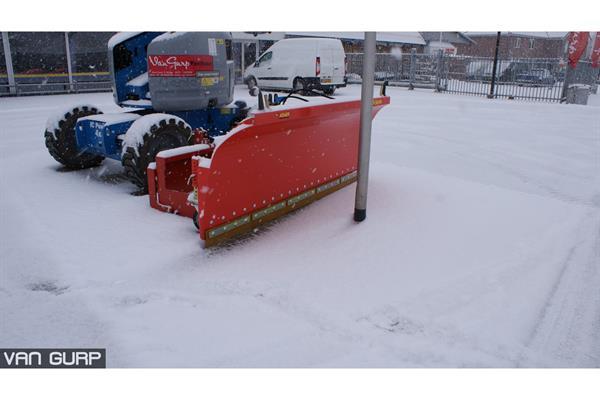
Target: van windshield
(265, 57)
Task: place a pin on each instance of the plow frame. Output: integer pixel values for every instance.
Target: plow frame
(170, 179)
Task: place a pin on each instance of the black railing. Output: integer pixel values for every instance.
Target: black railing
(541, 79)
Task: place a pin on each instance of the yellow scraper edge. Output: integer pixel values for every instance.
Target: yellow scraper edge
(251, 221)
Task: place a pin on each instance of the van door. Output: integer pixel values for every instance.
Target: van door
(325, 55)
(339, 65)
(262, 69)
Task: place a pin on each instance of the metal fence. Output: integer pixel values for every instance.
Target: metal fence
(53, 62)
(79, 65)
(74, 62)
(47, 86)
(523, 79)
(410, 70)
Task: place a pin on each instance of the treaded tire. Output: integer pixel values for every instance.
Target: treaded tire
(298, 84)
(62, 145)
(166, 134)
(196, 219)
(251, 82)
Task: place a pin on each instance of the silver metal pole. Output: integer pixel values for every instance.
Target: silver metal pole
(566, 82)
(69, 66)
(10, 72)
(243, 58)
(364, 144)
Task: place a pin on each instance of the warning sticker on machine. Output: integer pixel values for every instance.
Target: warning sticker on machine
(209, 81)
(208, 78)
(179, 65)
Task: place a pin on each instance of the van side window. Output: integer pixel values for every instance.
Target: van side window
(265, 58)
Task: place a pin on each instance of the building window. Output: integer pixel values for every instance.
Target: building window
(89, 55)
(3, 74)
(2, 61)
(518, 43)
(38, 55)
(531, 43)
(39, 60)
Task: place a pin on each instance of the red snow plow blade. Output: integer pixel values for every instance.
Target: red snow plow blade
(271, 164)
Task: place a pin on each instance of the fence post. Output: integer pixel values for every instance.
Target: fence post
(69, 66)
(243, 58)
(566, 83)
(411, 79)
(495, 68)
(438, 72)
(10, 72)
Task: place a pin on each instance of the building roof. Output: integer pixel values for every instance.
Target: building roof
(451, 37)
(257, 35)
(390, 37)
(441, 45)
(541, 35)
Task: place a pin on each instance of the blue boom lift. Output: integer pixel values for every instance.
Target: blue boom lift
(174, 86)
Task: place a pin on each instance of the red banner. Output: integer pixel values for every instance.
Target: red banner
(596, 52)
(577, 43)
(179, 66)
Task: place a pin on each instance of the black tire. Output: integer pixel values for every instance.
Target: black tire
(329, 90)
(167, 133)
(195, 219)
(251, 82)
(254, 91)
(299, 84)
(62, 145)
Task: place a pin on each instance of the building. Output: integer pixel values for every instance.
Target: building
(445, 41)
(515, 44)
(386, 41)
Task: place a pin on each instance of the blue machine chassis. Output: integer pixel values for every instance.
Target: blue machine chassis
(103, 134)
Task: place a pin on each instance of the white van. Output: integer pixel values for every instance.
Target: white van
(300, 63)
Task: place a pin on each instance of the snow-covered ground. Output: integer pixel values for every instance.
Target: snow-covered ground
(481, 248)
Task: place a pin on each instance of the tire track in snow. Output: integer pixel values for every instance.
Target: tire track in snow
(345, 329)
(357, 335)
(39, 308)
(568, 324)
(535, 331)
(360, 337)
(547, 191)
(472, 290)
(542, 189)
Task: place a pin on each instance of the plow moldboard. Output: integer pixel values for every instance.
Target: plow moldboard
(275, 162)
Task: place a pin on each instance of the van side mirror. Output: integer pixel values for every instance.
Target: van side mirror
(256, 64)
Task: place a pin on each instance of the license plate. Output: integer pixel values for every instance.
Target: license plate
(326, 80)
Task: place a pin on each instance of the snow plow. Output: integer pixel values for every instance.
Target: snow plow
(197, 153)
(275, 161)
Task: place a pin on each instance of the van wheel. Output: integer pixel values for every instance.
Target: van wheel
(329, 90)
(299, 84)
(251, 82)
